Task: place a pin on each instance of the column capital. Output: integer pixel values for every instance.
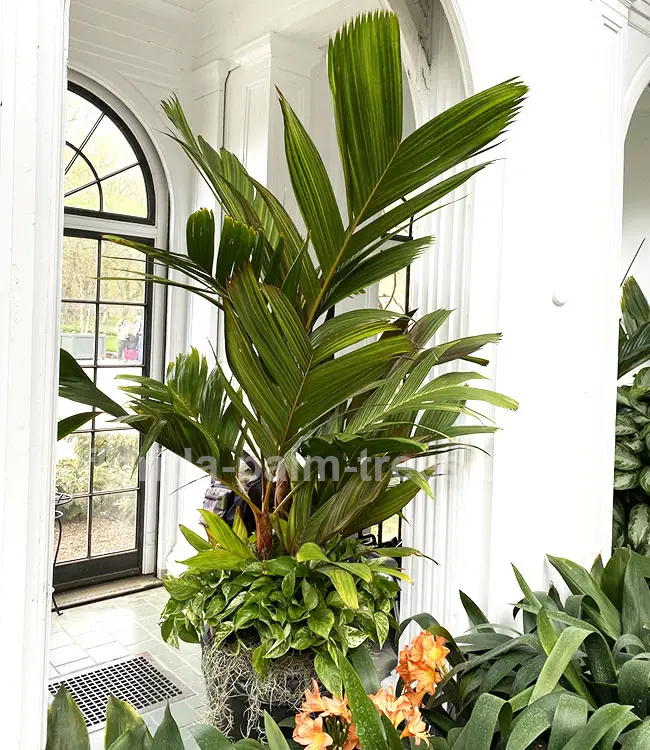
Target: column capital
(279, 51)
(209, 78)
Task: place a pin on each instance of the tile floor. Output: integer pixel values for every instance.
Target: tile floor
(105, 631)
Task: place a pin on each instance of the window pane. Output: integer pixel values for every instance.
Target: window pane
(78, 174)
(79, 268)
(392, 292)
(126, 193)
(108, 150)
(116, 453)
(73, 464)
(118, 260)
(88, 198)
(122, 327)
(114, 523)
(66, 408)
(74, 532)
(78, 330)
(81, 115)
(109, 384)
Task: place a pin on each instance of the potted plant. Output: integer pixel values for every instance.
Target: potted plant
(330, 409)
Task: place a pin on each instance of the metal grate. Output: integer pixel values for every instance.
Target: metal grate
(135, 679)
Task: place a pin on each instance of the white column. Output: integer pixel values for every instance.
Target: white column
(547, 226)
(441, 279)
(33, 40)
(254, 128)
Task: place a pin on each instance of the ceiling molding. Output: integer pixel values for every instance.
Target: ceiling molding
(616, 14)
(640, 16)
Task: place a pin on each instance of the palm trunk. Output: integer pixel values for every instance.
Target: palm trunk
(263, 535)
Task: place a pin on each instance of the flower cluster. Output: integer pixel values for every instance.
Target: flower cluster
(327, 722)
(401, 710)
(324, 722)
(422, 665)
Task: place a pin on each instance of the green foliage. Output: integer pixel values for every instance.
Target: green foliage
(634, 328)
(318, 601)
(126, 730)
(631, 522)
(576, 678)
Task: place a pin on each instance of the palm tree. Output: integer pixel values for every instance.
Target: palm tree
(307, 382)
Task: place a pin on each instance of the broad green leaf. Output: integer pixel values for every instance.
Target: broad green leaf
(638, 527)
(473, 611)
(597, 727)
(137, 738)
(344, 584)
(479, 730)
(328, 673)
(310, 551)
(560, 653)
(167, 736)
(120, 718)
(208, 738)
(365, 668)
(66, 728)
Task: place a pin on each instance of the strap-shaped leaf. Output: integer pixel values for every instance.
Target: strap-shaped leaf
(570, 715)
(364, 714)
(224, 536)
(634, 306)
(365, 73)
(560, 651)
(313, 189)
(450, 138)
(68, 425)
(606, 616)
(75, 385)
(597, 727)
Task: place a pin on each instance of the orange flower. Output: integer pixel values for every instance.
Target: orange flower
(395, 709)
(313, 702)
(424, 663)
(310, 732)
(416, 728)
(336, 707)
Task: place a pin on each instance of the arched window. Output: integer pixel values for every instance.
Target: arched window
(108, 325)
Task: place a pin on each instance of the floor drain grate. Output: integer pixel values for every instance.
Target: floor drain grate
(135, 679)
